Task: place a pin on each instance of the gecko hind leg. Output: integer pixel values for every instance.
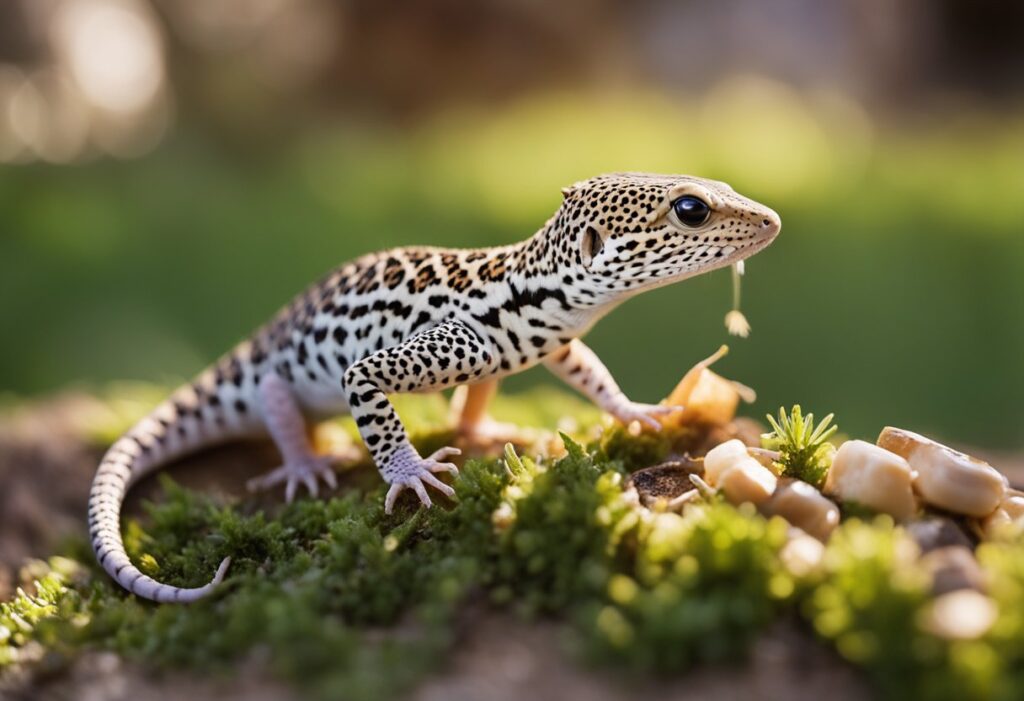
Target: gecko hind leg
(473, 426)
(287, 427)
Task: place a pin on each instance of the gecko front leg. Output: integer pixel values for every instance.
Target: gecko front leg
(446, 355)
(581, 369)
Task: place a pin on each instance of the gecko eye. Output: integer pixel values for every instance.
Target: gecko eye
(692, 211)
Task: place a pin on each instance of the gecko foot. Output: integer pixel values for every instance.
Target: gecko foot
(646, 414)
(409, 471)
(486, 434)
(307, 472)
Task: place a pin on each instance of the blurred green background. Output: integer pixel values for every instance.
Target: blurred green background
(172, 172)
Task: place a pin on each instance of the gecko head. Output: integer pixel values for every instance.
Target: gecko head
(629, 232)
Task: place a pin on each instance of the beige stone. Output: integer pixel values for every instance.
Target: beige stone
(805, 507)
(1008, 518)
(873, 477)
(964, 614)
(721, 458)
(953, 567)
(747, 481)
(802, 553)
(947, 478)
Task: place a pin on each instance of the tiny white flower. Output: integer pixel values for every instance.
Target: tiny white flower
(737, 323)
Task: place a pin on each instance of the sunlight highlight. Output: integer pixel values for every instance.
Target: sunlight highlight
(113, 52)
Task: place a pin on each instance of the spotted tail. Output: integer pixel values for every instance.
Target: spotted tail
(214, 409)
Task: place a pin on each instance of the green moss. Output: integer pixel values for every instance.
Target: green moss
(1002, 659)
(870, 602)
(634, 452)
(558, 539)
(648, 448)
(305, 588)
(25, 620)
(871, 595)
(700, 589)
(339, 598)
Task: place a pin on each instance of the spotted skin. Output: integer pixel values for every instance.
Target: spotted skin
(423, 320)
(580, 368)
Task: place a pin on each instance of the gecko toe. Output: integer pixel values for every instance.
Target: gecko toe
(438, 485)
(310, 482)
(651, 423)
(435, 466)
(389, 500)
(274, 477)
(330, 478)
(440, 455)
(421, 492)
(307, 473)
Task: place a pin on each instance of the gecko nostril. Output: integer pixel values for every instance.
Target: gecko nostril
(766, 222)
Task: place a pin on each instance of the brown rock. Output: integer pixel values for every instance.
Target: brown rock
(665, 481)
(935, 532)
(805, 507)
(951, 568)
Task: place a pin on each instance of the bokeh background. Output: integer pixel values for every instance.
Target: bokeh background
(172, 171)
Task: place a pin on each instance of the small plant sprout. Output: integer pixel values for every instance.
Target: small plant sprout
(513, 464)
(804, 449)
(704, 489)
(734, 320)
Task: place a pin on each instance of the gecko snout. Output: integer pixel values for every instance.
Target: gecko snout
(771, 224)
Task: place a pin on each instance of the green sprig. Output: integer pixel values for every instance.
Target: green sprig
(804, 449)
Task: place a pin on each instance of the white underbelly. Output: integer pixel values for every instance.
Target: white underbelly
(322, 398)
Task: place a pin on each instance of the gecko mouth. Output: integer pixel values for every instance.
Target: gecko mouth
(756, 245)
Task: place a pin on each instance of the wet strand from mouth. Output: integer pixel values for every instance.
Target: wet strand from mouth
(735, 321)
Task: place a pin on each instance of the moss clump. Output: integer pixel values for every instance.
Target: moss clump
(870, 601)
(635, 452)
(342, 599)
(870, 595)
(649, 448)
(304, 588)
(558, 531)
(700, 589)
(310, 582)
(26, 620)
(999, 658)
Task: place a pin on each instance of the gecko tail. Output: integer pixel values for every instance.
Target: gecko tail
(195, 417)
(105, 500)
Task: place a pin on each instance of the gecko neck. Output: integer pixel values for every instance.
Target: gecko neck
(545, 274)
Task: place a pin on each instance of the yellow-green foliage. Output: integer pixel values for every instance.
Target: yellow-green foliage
(699, 588)
(635, 452)
(870, 602)
(648, 448)
(804, 451)
(1002, 658)
(25, 618)
(345, 600)
(870, 594)
(564, 527)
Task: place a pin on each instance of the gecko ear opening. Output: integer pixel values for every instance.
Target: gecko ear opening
(591, 244)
